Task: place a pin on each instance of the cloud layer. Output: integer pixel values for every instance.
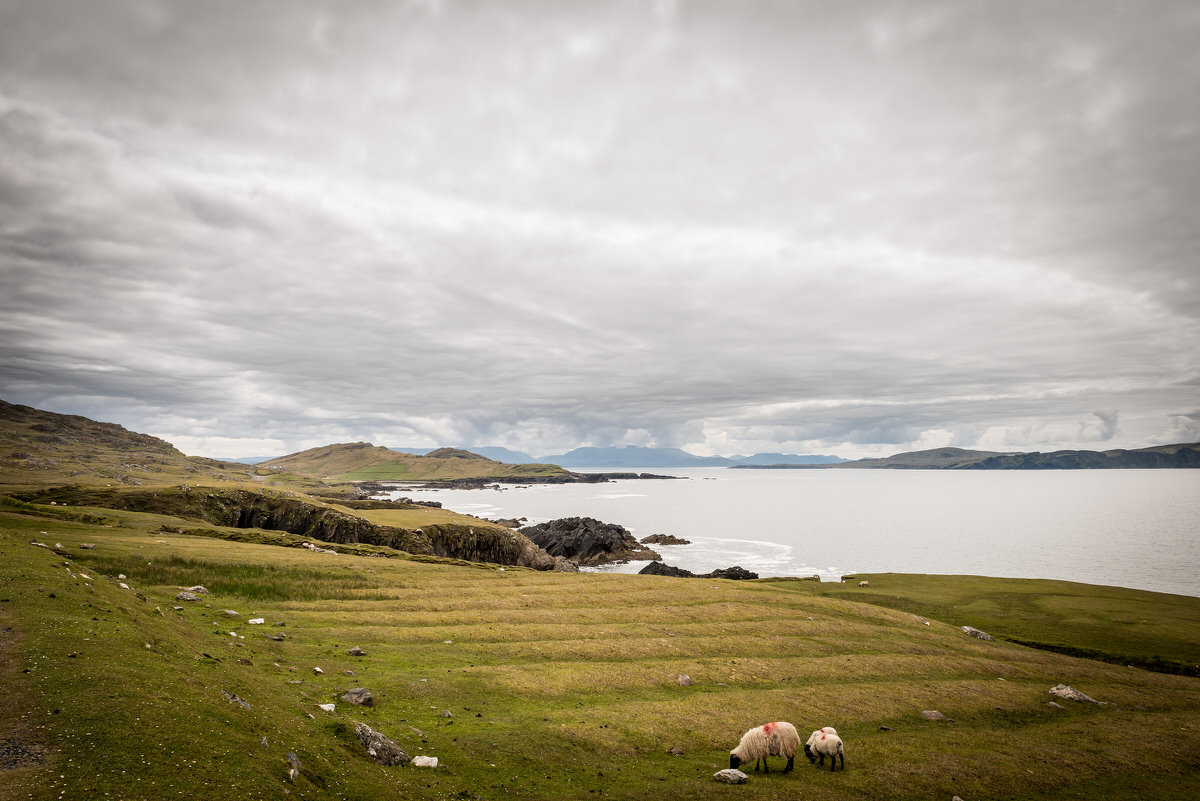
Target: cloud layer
(255, 228)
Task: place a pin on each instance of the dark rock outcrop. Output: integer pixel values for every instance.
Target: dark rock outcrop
(734, 573)
(665, 539)
(657, 568)
(587, 541)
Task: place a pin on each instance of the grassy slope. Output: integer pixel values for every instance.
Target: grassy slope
(560, 686)
(1121, 625)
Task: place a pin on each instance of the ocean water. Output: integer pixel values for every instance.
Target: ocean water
(1128, 528)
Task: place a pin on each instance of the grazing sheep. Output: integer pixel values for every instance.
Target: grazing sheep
(864, 584)
(824, 742)
(771, 739)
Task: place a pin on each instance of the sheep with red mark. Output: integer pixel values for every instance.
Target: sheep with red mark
(771, 739)
(825, 742)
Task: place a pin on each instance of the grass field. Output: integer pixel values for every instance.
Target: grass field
(557, 686)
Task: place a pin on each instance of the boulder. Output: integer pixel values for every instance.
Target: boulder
(731, 776)
(356, 651)
(293, 766)
(198, 589)
(1071, 694)
(359, 696)
(186, 596)
(587, 541)
(381, 749)
(976, 633)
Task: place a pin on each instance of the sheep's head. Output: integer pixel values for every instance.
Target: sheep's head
(734, 761)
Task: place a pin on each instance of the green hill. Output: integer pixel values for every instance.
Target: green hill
(361, 461)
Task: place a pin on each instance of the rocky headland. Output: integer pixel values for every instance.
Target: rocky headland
(587, 541)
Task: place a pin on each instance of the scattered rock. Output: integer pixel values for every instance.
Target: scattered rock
(976, 633)
(446, 713)
(359, 696)
(186, 596)
(233, 699)
(563, 565)
(886, 728)
(317, 671)
(230, 613)
(381, 749)
(1055, 705)
(356, 651)
(276, 637)
(258, 621)
(1071, 694)
(263, 741)
(327, 707)
(293, 766)
(676, 751)
(425, 762)
(933, 714)
(685, 680)
(731, 776)
(87, 546)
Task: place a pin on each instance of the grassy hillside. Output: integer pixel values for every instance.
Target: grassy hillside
(39, 447)
(557, 686)
(361, 461)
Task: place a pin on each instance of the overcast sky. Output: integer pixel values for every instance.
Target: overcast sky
(814, 227)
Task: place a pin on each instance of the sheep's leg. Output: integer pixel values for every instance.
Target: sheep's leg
(766, 767)
(791, 763)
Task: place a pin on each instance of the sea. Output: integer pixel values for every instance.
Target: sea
(1125, 528)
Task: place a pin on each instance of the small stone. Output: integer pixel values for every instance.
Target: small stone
(1055, 705)
(359, 696)
(199, 589)
(275, 637)
(933, 714)
(230, 613)
(258, 621)
(356, 651)
(327, 707)
(87, 546)
(425, 762)
(318, 671)
(731, 776)
(676, 751)
(886, 728)
(446, 713)
(685, 680)
(121, 584)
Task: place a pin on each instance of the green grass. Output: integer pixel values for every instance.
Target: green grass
(560, 686)
(1123, 626)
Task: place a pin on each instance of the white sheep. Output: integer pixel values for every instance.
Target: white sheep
(825, 742)
(770, 739)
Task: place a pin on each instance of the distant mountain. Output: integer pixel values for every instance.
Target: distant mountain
(633, 456)
(1183, 455)
(786, 458)
(505, 455)
(636, 456)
